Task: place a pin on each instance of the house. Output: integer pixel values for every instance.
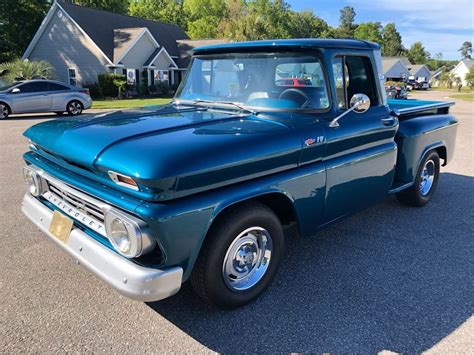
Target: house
(395, 68)
(461, 69)
(82, 42)
(419, 72)
(435, 76)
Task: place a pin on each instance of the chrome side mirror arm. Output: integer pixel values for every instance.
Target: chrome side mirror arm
(359, 103)
(334, 122)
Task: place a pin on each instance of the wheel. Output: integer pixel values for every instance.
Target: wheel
(239, 257)
(425, 183)
(4, 111)
(74, 108)
(59, 113)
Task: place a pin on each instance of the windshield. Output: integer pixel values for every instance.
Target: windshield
(276, 81)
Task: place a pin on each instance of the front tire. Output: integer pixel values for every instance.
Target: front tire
(239, 257)
(425, 183)
(74, 108)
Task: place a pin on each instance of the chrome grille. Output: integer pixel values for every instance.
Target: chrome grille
(80, 204)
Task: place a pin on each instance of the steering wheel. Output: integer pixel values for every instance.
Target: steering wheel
(297, 91)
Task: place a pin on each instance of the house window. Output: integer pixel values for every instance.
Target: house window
(72, 76)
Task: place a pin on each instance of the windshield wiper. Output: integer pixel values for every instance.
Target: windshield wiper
(235, 104)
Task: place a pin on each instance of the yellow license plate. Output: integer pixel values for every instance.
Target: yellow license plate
(60, 226)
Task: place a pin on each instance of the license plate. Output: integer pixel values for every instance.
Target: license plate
(60, 226)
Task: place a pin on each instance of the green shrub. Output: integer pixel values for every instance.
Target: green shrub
(395, 83)
(94, 90)
(107, 84)
(162, 88)
(143, 87)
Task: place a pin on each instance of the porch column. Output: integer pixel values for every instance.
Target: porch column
(149, 77)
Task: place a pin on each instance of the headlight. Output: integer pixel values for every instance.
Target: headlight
(126, 234)
(34, 181)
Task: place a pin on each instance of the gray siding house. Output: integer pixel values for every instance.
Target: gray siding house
(82, 42)
(395, 68)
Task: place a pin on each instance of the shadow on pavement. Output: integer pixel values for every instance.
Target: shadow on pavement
(391, 277)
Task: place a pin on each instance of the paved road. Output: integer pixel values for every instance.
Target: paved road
(390, 278)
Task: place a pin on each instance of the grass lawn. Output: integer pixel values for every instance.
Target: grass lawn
(467, 97)
(128, 103)
(463, 89)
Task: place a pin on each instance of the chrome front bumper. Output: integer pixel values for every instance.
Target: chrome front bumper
(129, 279)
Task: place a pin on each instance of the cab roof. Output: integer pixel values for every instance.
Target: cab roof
(252, 46)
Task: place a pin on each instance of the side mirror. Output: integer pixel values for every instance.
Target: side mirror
(15, 91)
(359, 103)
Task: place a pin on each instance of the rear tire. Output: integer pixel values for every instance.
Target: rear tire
(425, 182)
(74, 108)
(4, 111)
(239, 257)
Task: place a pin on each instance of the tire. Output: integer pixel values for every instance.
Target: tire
(234, 244)
(425, 182)
(4, 111)
(74, 108)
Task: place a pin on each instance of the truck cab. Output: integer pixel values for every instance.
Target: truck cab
(259, 135)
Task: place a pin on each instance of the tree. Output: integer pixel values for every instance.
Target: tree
(169, 11)
(25, 70)
(447, 79)
(19, 20)
(119, 6)
(306, 24)
(417, 54)
(391, 41)
(346, 22)
(259, 19)
(470, 77)
(369, 31)
(466, 50)
(204, 17)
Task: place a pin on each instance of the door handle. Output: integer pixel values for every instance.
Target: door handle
(389, 121)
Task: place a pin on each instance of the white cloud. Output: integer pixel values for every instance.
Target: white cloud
(436, 14)
(441, 25)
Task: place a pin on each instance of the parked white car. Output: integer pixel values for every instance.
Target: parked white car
(34, 96)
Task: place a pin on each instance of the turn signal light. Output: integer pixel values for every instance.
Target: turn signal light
(123, 180)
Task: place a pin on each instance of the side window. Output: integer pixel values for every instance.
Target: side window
(354, 75)
(57, 87)
(33, 87)
(340, 81)
(72, 76)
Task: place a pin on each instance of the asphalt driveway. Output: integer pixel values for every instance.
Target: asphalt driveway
(389, 278)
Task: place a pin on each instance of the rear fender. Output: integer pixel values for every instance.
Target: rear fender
(419, 135)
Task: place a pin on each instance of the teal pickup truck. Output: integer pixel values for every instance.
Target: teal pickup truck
(259, 135)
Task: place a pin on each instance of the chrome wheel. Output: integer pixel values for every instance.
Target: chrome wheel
(3, 111)
(247, 259)
(427, 177)
(74, 108)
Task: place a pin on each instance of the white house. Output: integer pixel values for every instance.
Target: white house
(461, 69)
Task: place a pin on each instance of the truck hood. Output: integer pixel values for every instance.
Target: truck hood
(173, 151)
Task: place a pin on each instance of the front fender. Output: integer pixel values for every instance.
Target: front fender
(181, 225)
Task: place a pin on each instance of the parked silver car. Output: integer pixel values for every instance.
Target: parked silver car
(43, 96)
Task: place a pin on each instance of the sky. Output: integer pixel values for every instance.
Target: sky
(441, 25)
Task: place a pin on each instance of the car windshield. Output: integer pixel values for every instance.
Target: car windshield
(4, 86)
(286, 81)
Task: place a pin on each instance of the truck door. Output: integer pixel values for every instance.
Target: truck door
(360, 153)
